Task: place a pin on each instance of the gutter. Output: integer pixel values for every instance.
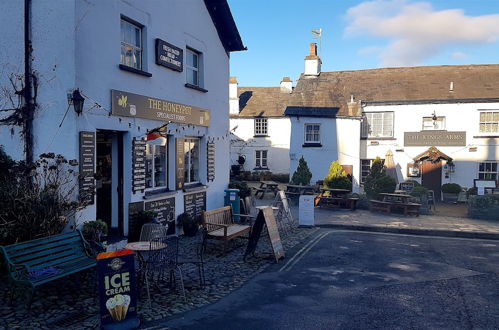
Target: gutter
(28, 107)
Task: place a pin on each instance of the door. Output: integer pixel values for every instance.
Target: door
(109, 180)
(432, 177)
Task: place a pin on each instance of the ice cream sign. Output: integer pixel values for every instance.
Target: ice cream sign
(117, 289)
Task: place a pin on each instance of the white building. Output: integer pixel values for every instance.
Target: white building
(139, 65)
(260, 131)
(440, 122)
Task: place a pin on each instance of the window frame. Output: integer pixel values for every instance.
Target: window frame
(260, 159)
(198, 69)
(188, 164)
(480, 122)
(423, 128)
(368, 122)
(261, 126)
(137, 26)
(153, 166)
(306, 141)
(485, 173)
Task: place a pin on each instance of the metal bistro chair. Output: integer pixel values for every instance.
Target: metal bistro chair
(150, 231)
(197, 259)
(162, 261)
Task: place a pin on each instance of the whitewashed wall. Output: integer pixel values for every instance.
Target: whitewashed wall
(276, 143)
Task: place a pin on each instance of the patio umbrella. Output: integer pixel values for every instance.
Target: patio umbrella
(390, 166)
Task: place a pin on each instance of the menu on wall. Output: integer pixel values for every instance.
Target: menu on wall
(138, 165)
(164, 209)
(87, 167)
(211, 161)
(180, 166)
(195, 204)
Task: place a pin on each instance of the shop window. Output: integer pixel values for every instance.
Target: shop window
(378, 124)
(194, 68)
(430, 124)
(489, 122)
(131, 44)
(487, 171)
(312, 133)
(156, 160)
(261, 159)
(191, 158)
(261, 125)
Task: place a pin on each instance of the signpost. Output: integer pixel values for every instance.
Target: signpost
(117, 290)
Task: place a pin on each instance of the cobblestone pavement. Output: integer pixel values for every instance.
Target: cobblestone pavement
(72, 301)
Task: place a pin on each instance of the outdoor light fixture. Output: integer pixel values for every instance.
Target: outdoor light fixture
(434, 118)
(77, 101)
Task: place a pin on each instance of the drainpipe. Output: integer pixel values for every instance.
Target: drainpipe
(29, 107)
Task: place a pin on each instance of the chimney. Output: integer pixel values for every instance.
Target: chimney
(313, 62)
(286, 85)
(233, 97)
(353, 107)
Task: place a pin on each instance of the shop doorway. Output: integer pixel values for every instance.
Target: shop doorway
(431, 177)
(109, 180)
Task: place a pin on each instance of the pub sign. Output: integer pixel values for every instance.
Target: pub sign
(434, 138)
(169, 56)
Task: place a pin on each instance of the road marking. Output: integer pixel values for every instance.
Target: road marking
(291, 262)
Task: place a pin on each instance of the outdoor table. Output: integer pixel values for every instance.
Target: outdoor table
(390, 201)
(336, 198)
(265, 187)
(294, 191)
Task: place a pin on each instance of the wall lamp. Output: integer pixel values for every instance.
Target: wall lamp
(76, 100)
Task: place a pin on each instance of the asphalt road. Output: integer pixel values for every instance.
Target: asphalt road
(360, 280)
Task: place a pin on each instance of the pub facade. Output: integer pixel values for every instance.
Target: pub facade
(153, 132)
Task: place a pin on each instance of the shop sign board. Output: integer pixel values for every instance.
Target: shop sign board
(434, 138)
(195, 204)
(306, 216)
(87, 167)
(169, 56)
(117, 290)
(265, 217)
(139, 106)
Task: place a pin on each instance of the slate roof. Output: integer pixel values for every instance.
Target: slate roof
(262, 101)
(224, 23)
(425, 84)
(311, 112)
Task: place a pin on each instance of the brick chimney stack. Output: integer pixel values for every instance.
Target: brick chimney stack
(313, 62)
(233, 96)
(286, 85)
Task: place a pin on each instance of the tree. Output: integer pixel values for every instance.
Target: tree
(337, 177)
(302, 175)
(378, 181)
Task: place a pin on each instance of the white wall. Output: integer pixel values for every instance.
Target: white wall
(276, 143)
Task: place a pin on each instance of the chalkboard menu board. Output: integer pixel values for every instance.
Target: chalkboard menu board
(195, 204)
(180, 166)
(138, 165)
(211, 161)
(135, 220)
(265, 216)
(164, 208)
(87, 167)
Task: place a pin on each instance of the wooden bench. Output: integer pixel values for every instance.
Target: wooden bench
(220, 225)
(410, 208)
(34, 263)
(337, 202)
(381, 206)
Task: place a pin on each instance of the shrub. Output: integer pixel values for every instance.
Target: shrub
(337, 177)
(419, 191)
(377, 181)
(302, 175)
(484, 207)
(451, 188)
(93, 230)
(244, 190)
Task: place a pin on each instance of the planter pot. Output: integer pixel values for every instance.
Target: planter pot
(190, 229)
(450, 198)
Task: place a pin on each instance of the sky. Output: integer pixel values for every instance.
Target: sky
(360, 35)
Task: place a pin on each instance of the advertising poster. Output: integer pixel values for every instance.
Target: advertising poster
(117, 290)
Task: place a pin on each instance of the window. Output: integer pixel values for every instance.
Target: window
(430, 124)
(312, 133)
(191, 157)
(193, 67)
(365, 167)
(131, 45)
(487, 171)
(489, 121)
(379, 124)
(261, 159)
(155, 166)
(261, 126)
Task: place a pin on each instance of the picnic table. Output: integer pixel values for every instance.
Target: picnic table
(266, 187)
(294, 191)
(389, 202)
(336, 198)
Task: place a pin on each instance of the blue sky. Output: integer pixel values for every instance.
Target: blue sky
(361, 35)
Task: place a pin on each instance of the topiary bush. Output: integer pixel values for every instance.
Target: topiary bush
(244, 189)
(378, 181)
(451, 188)
(337, 177)
(302, 175)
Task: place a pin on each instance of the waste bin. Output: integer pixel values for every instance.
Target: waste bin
(232, 198)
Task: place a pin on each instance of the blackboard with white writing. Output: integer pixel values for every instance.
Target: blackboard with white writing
(195, 204)
(138, 165)
(87, 167)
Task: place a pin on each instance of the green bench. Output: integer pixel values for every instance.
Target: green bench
(34, 263)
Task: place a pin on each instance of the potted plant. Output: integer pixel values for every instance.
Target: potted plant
(450, 192)
(190, 225)
(94, 230)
